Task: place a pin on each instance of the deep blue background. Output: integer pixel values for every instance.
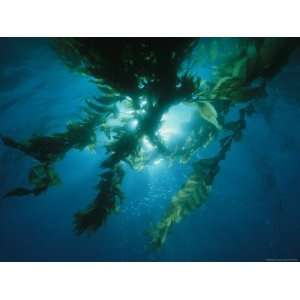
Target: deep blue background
(253, 212)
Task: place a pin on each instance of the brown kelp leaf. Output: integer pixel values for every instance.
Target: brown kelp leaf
(106, 202)
(209, 113)
(191, 196)
(240, 69)
(42, 177)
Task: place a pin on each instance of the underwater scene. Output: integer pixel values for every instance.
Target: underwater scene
(149, 149)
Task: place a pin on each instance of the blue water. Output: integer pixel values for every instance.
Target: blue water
(252, 214)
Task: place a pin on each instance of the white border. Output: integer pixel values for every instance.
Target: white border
(151, 281)
(140, 280)
(149, 18)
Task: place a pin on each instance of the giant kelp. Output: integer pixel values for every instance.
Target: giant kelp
(48, 149)
(148, 76)
(195, 190)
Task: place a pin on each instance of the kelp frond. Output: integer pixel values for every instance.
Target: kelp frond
(48, 149)
(256, 58)
(106, 202)
(195, 190)
(41, 177)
